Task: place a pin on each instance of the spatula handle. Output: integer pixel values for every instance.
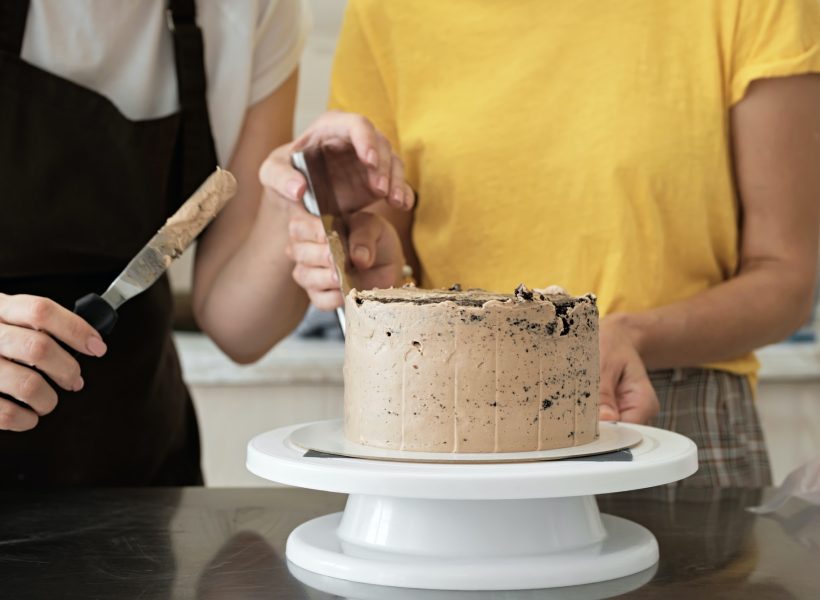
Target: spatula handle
(99, 313)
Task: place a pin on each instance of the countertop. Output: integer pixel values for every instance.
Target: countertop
(229, 543)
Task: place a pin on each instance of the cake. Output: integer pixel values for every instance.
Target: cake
(470, 371)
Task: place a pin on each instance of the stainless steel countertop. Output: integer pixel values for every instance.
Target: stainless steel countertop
(229, 543)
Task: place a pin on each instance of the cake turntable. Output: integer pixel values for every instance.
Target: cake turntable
(472, 526)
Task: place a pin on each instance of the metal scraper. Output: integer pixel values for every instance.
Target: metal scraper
(319, 200)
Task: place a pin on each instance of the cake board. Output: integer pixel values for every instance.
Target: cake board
(490, 526)
(328, 437)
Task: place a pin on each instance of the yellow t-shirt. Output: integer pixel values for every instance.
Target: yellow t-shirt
(584, 143)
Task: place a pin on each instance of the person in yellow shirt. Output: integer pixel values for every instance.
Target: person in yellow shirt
(663, 155)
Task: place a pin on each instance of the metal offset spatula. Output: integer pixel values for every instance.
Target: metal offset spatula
(161, 250)
(156, 256)
(320, 201)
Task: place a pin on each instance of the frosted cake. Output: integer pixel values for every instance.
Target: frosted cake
(470, 371)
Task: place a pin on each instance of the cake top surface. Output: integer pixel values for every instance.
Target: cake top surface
(470, 297)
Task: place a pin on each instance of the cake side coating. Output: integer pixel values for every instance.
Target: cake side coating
(453, 371)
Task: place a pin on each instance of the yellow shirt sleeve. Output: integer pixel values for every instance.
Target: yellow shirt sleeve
(774, 39)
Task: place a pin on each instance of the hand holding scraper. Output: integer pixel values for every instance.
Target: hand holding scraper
(320, 201)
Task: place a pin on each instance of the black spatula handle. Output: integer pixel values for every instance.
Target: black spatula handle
(99, 313)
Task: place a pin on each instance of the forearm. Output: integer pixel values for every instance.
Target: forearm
(763, 304)
(776, 149)
(253, 302)
(243, 294)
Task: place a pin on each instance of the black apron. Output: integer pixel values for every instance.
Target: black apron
(83, 189)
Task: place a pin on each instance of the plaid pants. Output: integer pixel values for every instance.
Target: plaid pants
(716, 410)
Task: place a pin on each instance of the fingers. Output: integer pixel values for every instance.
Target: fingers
(27, 386)
(608, 397)
(336, 127)
(330, 300)
(314, 271)
(377, 167)
(15, 418)
(42, 314)
(642, 415)
(29, 329)
(398, 197)
(27, 324)
(310, 254)
(626, 392)
(409, 197)
(37, 349)
(304, 227)
(608, 406)
(316, 279)
(640, 402)
(321, 285)
(278, 174)
(643, 407)
(380, 176)
(339, 130)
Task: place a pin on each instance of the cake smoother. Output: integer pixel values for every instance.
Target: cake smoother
(319, 200)
(471, 371)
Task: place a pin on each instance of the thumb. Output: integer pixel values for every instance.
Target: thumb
(640, 402)
(278, 174)
(364, 231)
(608, 406)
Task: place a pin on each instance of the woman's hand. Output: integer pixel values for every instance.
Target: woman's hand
(363, 171)
(27, 324)
(373, 248)
(361, 164)
(626, 393)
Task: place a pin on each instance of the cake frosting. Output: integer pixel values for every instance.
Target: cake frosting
(194, 215)
(471, 371)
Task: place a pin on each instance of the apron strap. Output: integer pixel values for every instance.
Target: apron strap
(13, 14)
(189, 54)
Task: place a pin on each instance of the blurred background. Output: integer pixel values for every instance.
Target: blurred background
(301, 379)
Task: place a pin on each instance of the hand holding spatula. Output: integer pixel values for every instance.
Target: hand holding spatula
(38, 331)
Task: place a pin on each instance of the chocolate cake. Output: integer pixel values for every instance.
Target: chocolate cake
(471, 371)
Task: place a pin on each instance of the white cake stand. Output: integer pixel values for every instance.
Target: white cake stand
(352, 590)
(509, 526)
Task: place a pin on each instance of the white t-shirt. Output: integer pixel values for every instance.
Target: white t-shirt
(123, 49)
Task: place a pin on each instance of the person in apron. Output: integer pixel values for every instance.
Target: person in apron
(84, 189)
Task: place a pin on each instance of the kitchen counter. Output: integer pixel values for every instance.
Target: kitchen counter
(229, 544)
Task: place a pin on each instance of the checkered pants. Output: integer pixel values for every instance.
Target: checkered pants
(716, 410)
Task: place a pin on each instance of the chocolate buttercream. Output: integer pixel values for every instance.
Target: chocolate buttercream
(471, 371)
(195, 214)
